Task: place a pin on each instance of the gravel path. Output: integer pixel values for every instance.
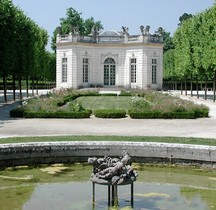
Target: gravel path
(205, 128)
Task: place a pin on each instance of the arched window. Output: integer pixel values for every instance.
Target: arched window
(109, 61)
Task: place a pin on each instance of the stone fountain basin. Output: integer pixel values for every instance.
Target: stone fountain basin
(80, 151)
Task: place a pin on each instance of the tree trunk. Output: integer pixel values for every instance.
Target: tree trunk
(20, 88)
(33, 87)
(181, 88)
(197, 88)
(37, 87)
(191, 87)
(14, 87)
(5, 87)
(214, 85)
(205, 97)
(186, 87)
(27, 87)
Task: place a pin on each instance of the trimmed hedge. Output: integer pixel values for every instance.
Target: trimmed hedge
(125, 94)
(161, 115)
(84, 114)
(108, 94)
(106, 113)
(199, 113)
(19, 112)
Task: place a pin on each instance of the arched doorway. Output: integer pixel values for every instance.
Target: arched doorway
(109, 72)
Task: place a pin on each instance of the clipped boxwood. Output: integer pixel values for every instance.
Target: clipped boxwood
(178, 115)
(199, 113)
(161, 115)
(144, 115)
(17, 112)
(109, 94)
(107, 113)
(125, 94)
(42, 114)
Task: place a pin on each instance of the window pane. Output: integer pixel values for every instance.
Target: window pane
(64, 69)
(133, 70)
(154, 74)
(85, 70)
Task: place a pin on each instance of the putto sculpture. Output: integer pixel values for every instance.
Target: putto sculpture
(113, 171)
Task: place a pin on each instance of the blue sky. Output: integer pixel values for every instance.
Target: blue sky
(114, 13)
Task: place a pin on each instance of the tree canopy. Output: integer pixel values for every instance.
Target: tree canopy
(73, 19)
(23, 42)
(194, 54)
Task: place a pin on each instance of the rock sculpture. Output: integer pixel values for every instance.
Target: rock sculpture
(113, 171)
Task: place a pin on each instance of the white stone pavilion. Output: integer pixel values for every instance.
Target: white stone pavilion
(110, 59)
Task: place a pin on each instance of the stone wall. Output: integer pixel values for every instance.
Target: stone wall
(69, 152)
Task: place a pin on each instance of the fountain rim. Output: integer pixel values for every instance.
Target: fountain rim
(79, 151)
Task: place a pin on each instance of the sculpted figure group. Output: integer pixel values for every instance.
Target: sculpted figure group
(113, 171)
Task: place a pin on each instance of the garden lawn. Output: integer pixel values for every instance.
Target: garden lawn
(105, 102)
(177, 140)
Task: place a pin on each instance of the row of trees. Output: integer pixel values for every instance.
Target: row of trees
(23, 54)
(193, 55)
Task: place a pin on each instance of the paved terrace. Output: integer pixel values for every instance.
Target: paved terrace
(204, 128)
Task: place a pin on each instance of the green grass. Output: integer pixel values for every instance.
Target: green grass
(105, 102)
(179, 140)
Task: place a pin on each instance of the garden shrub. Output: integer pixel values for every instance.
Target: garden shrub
(106, 113)
(127, 93)
(109, 94)
(17, 112)
(161, 115)
(144, 115)
(58, 114)
(178, 115)
(203, 112)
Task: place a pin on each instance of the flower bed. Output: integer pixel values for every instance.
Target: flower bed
(137, 103)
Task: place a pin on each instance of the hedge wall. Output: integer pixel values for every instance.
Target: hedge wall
(105, 113)
(161, 115)
(27, 114)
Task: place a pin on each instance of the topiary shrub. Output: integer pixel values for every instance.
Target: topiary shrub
(202, 112)
(125, 93)
(161, 115)
(58, 114)
(17, 112)
(144, 115)
(104, 113)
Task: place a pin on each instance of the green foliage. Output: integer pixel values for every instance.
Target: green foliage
(125, 93)
(104, 113)
(139, 103)
(144, 115)
(17, 112)
(184, 17)
(168, 42)
(22, 51)
(73, 19)
(57, 114)
(142, 104)
(161, 115)
(193, 55)
(74, 107)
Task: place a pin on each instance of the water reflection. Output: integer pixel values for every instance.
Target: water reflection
(156, 189)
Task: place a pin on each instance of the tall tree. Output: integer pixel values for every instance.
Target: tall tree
(184, 17)
(73, 19)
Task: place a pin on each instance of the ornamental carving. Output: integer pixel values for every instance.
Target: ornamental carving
(109, 55)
